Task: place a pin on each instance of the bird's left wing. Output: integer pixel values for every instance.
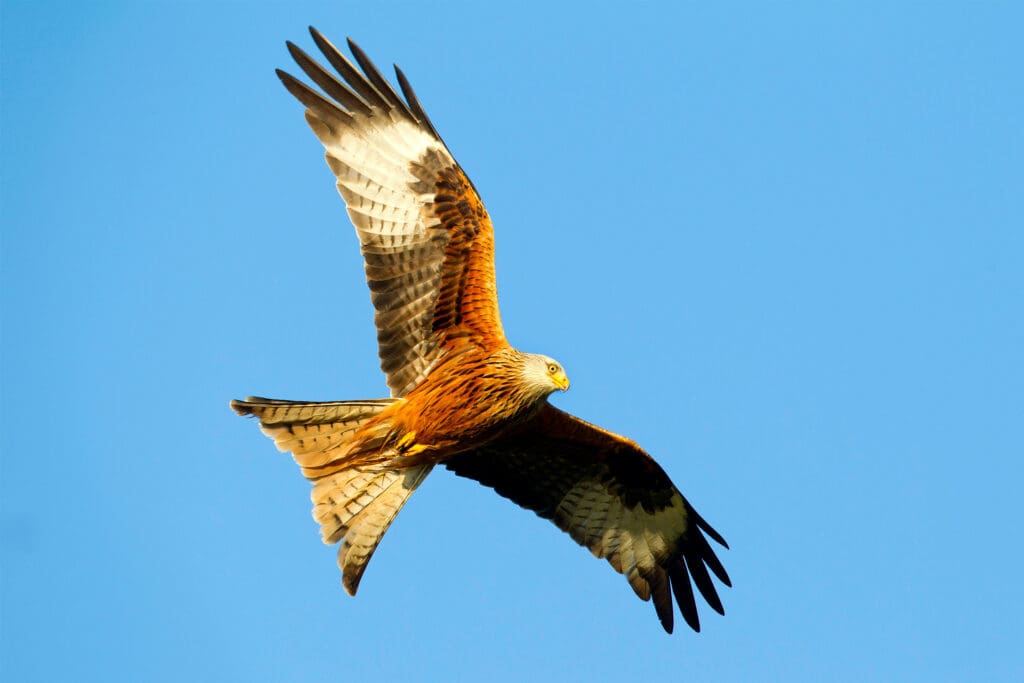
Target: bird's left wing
(611, 497)
(426, 238)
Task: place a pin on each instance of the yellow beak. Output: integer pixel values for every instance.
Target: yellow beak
(561, 381)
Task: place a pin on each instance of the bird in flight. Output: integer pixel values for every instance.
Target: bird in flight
(461, 395)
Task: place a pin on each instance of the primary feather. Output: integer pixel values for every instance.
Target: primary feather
(461, 395)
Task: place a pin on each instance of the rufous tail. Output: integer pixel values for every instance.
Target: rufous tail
(352, 500)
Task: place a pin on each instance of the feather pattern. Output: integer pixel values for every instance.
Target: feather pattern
(461, 395)
(610, 497)
(356, 506)
(316, 434)
(355, 503)
(426, 239)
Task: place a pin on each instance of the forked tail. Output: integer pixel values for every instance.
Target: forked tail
(356, 502)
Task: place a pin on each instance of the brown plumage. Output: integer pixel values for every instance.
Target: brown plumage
(461, 395)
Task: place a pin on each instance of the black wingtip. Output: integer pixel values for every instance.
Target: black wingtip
(375, 77)
(329, 113)
(362, 87)
(414, 103)
(661, 596)
(684, 593)
(322, 41)
(361, 57)
(297, 53)
(703, 525)
(701, 578)
(704, 551)
(358, 53)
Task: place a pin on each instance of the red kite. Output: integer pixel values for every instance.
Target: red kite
(461, 396)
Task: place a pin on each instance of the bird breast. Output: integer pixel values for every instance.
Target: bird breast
(467, 400)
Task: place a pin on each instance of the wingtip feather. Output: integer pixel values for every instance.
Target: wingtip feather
(684, 594)
(695, 565)
(241, 407)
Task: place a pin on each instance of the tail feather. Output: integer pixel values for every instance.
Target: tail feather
(275, 411)
(316, 434)
(340, 498)
(366, 528)
(354, 502)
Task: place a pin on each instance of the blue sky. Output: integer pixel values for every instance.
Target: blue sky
(778, 245)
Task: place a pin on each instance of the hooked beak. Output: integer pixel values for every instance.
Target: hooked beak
(562, 382)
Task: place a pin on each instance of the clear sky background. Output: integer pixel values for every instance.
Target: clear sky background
(778, 245)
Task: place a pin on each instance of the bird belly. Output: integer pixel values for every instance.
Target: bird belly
(434, 425)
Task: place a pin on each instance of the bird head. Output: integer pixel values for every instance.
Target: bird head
(544, 374)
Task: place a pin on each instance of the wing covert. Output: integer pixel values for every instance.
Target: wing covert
(610, 497)
(426, 238)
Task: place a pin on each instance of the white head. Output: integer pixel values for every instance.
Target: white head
(543, 374)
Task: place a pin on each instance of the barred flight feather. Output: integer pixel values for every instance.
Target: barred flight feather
(610, 497)
(355, 503)
(462, 395)
(393, 171)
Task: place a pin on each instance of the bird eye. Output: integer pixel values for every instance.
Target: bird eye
(553, 369)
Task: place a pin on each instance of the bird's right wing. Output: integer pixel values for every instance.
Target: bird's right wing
(426, 237)
(611, 497)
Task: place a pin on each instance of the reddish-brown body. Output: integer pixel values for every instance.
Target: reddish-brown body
(460, 395)
(472, 398)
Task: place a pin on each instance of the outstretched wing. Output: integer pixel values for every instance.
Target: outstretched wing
(426, 239)
(611, 497)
